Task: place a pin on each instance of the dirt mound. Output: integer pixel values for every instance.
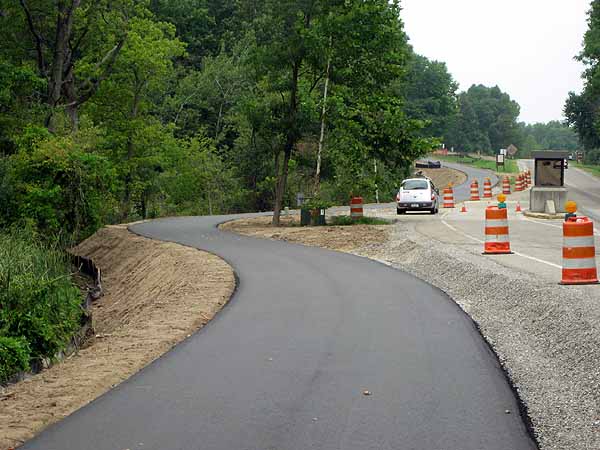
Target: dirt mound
(442, 177)
(155, 295)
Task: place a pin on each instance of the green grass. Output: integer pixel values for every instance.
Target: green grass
(348, 221)
(510, 165)
(40, 308)
(594, 170)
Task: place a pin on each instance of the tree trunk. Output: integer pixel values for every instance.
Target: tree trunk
(64, 30)
(292, 137)
(376, 186)
(280, 187)
(70, 92)
(126, 205)
(323, 112)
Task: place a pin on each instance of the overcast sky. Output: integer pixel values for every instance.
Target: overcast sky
(526, 47)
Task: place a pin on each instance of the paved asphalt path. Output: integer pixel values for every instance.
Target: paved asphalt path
(463, 192)
(284, 365)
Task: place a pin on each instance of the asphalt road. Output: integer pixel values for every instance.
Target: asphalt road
(537, 243)
(462, 192)
(285, 364)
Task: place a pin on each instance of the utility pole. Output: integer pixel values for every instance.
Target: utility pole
(376, 186)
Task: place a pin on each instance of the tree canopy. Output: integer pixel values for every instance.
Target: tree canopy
(583, 110)
(486, 121)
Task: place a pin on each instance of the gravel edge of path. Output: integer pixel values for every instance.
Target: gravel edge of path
(547, 337)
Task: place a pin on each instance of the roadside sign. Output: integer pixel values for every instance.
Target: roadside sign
(499, 161)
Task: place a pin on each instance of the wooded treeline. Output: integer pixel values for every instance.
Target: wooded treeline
(117, 110)
(583, 110)
(114, 110)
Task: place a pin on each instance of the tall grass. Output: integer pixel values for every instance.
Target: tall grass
(40, 308)
(510, 166)
(591, 168)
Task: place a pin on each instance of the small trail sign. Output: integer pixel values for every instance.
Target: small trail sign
(499, 161)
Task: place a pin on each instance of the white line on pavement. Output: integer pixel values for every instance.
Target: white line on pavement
(597, 233)
(523, 255)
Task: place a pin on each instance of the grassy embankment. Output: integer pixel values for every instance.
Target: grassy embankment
(593, 169)
(510, 167)
(40, 308)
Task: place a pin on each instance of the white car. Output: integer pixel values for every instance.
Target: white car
(417, 194)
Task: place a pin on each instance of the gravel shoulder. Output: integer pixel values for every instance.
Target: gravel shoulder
(546, 336)
(156, 295)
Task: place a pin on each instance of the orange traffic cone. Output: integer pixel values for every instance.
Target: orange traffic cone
(463, 209)
(518, 207)
(487, 188)
(579, 252)
(505, 185)
(497, 241)
(449, 197)
(475, 191)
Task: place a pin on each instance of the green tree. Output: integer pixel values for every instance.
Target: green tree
(366, 49)
(430, 93)
(583, 110)
(138, 142)
(486, 122)
(72, 44)
(553, 135)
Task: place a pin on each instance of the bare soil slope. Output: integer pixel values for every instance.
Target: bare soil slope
(156, 294)
(442, 177)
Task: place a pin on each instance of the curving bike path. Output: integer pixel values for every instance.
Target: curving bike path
(462, 192)
(285, 364)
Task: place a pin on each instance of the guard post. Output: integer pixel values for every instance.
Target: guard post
(549, 195)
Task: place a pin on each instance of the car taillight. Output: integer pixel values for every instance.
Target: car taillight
(397, 197)
(432, 197)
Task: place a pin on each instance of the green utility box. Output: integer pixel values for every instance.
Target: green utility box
(305, 217)
(315, 217)
(318, 217)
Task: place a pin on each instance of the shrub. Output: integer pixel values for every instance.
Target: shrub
(14, 357)
(60, 184)
(38, 302)
(592, 157)
(347, 220)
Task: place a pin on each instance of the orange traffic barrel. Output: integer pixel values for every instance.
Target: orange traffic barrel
(506, 185)
(487, 188)
(356, 207)
(497, 241)
(579, 252)
(475, 190)
(519, 183)
(448, 197)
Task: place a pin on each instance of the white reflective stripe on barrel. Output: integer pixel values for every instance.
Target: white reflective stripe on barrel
(496, 223)
(497, 238)
(579, 263)
(584, 241)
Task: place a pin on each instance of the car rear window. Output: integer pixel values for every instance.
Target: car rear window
(413, 185)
